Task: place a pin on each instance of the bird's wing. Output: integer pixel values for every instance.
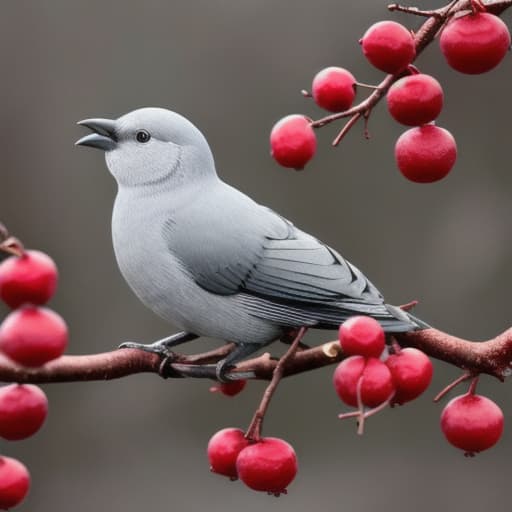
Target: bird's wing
(276, 271)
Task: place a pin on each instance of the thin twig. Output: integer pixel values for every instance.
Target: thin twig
(254, 431)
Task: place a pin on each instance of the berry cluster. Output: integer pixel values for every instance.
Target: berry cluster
(31, 335)
(474, 42)
(268, 464)
(365, 380)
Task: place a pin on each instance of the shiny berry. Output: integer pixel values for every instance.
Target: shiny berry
(32, 336)
(230, 388)
(223, 449)
(269, 465)
(425, 154)
(334, 89)
(362, 336)
(293, 141)
(389, 46)
(373, 377)
(472, 423)
(415, 100)
(411, 371)
(14, 482)
(23, 409)
(475, 43)
(30, 278)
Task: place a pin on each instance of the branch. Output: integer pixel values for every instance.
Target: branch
(423, 37)
(493, 357)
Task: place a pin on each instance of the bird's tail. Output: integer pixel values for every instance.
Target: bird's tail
(406, 318)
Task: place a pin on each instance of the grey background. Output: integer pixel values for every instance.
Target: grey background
(234, 68)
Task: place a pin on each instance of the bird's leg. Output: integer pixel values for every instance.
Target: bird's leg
(162, 347)
(220, 370)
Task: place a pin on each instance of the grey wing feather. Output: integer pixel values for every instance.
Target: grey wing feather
(274, 270)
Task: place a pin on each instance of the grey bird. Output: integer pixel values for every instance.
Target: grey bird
(209, 259)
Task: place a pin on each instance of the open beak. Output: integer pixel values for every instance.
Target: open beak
(104, 136)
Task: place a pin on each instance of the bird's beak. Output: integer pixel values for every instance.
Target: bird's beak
(104, 136)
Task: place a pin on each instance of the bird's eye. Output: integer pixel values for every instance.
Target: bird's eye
(142, 136)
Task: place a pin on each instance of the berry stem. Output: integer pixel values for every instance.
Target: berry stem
(254, 430)
(472, 387)
(456, 382)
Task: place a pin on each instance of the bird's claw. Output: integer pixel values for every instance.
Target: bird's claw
(153, 348)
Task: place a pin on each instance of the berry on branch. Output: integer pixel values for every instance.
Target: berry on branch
(293, 141)
(223, 450)
(30, 278)
(370, 376)
(472, 423)
(14, 482)
(426, 153)
(362, 336)
(334, 89)
(411, 371)
(268, 465)
(475, 43)
(23, 409)
(389, 46)
(32, 336)
(415, 100)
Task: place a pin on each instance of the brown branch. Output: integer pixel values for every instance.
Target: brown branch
(423, 37)
(493, 357)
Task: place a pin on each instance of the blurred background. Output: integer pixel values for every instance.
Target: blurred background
(234, 68)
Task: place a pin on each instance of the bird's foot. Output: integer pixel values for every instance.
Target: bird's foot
(219, 372)
(154, 348)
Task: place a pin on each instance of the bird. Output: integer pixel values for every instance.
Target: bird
(210, 260)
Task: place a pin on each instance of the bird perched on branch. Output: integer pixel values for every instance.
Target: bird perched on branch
(210, 260)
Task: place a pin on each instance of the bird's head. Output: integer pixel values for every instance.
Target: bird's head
(151, 146)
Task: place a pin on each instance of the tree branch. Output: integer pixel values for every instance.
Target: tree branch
(493, 357)
(422, 38)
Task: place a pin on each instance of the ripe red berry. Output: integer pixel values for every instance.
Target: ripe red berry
(14, 482)
(293, 141)
(411, 371)
(415, 100)
(389, 46)
(334, 89)
(362, 336)
(29, 278)
(230, 388)
(23, 409)
(268, 465)
(32, 336)
(223, 449)
(425, 154)
(374, 377)
(472, 423)
(475, 43)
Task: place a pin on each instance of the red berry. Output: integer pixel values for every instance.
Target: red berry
(230, 388)
(389, 46)
(268, 465)
(415, 100)
(411, 371)
(32, 336)
(376, 383)
(475, 43)
(23, 409)
(14, 482)
(472, 423)
(334, 89)
(223, 449)
(362, 336)
(293, 141)
(28, 278)
(426, 153)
